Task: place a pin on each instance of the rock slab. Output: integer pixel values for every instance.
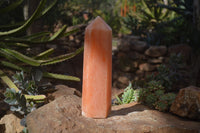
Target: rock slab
(187, 103)
(156, 51)
(11, 124)
(147, 67)
(139, 46)
(64, 115)
(63, 90)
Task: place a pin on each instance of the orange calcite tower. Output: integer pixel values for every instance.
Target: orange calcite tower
(97, 70)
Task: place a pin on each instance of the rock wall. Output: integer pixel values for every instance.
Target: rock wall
(134, 60)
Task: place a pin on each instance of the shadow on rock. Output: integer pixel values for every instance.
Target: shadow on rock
(127, 108)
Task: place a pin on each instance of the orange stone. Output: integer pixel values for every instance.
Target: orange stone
(97, 70)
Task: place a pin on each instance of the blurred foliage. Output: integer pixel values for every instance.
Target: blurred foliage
(154, 96)
(170, 74)
(187, 23)
(13, 14)
(165, 22)
(163, 77)
(149, 15)
(73, 12)
(146, 19)
(14, 55)
(65, 11)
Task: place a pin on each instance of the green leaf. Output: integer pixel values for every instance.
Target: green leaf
(21, 23)
(129, 86)
(146, 10)
(42, 38)
(44, 54)
(36, 98)
(60, 76)
(58, 33)
(69, 32)
(118, 99)
(36, 35)
(27, 23)
(25, 130)
(11, 6)
(47, 8)
(20, 45)
(10, 95)
(164, 15)
(7, 81)
(22, 57)
(11, 65)
(6, 26)
(6, 55)
(61, 57)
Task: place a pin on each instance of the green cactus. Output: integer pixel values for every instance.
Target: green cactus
(129, 95)
(27, 23)
(12, 56)
(13, 59)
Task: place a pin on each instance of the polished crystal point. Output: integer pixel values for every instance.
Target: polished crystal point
(97, 70)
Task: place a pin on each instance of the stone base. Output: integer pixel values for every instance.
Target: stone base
(64, 115)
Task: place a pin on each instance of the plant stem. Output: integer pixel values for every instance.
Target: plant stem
(10, 84)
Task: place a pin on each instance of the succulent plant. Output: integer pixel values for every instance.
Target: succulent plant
(18, 102)
(129, 95)
(169, 74)
(154, 96)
